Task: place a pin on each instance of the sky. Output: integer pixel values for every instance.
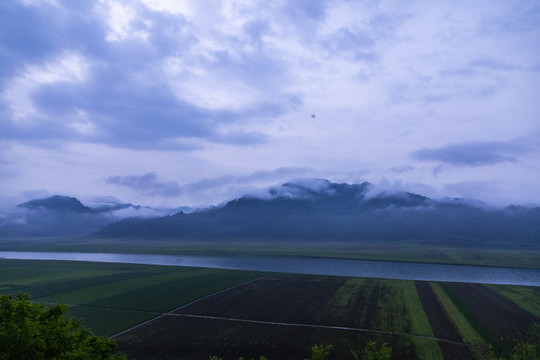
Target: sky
(192, 103)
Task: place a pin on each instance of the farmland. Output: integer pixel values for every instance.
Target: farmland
(279, 316)
(112, 297)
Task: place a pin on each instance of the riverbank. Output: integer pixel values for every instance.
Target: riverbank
(398, 251)
(310, 266)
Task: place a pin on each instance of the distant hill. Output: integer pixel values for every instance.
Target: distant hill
(324, 211)
(57, 203)
(64, 216)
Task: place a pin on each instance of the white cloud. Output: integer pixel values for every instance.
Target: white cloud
(69, 66)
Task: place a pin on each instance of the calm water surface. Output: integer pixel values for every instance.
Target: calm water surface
(315, 266)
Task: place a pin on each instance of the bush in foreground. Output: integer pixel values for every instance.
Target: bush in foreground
(321, 352)
(29, 331)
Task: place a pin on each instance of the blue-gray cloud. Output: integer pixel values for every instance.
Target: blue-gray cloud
(477, 153)
(402, 169)
(356, 44)
(30, 33)
(480, 66)
(305, 10)
(279, 174)
(521, 17)
(125, 96)
(148, 184)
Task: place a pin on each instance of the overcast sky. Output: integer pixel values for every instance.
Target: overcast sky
(170, 103)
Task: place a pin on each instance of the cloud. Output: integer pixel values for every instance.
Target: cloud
(477, 153)
(480, 66)
(30, 32)
(357, 44)
(122, 90)
(522, 18)
(150, 184)
(304, 10)
(147, 184)
(279, 174)
(225, 88)
(402, 169)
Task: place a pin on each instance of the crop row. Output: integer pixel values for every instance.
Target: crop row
(243, 321)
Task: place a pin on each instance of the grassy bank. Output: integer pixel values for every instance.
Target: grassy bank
(404, 251)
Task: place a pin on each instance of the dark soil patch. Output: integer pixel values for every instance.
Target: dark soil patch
(188, 338)
(441, 324)
(494, 316)
(297, 299)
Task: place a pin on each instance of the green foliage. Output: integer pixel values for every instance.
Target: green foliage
(526, 351)
(29, 331)
(372, 353)
(241, 358)
(320, 352)
(529, 349)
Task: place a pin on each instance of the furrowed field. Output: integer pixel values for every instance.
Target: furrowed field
(279, 316)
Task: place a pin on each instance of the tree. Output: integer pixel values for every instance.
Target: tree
(372, 353)
(529, 348)
(30, 331)
(526, 351)
(320, 352)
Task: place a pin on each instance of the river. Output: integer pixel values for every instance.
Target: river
(306, 265)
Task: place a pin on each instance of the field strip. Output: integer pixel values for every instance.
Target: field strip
(95, 285)
(329, 327)
(183, 306)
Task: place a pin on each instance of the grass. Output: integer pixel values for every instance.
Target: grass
(112, 297)
(407, 251)
(167, 295)
(464, 327)
(524, 296)
(108, 321)
(425, 349)
(496, 318)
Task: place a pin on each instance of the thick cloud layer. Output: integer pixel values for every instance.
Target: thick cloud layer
(194, 102)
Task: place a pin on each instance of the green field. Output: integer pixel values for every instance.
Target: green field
(112, 297)
(407, 251)
(277, 315)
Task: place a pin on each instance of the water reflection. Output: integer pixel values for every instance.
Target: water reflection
(315, 266)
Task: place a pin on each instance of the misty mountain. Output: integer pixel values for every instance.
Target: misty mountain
(64, 204)
(65, 216)
(324, 211)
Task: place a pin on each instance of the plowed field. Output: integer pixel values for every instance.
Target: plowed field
(281, 316)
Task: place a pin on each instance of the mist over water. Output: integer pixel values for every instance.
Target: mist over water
(313, 266)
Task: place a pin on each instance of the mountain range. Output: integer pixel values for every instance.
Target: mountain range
(324, 211)
(301, 211)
